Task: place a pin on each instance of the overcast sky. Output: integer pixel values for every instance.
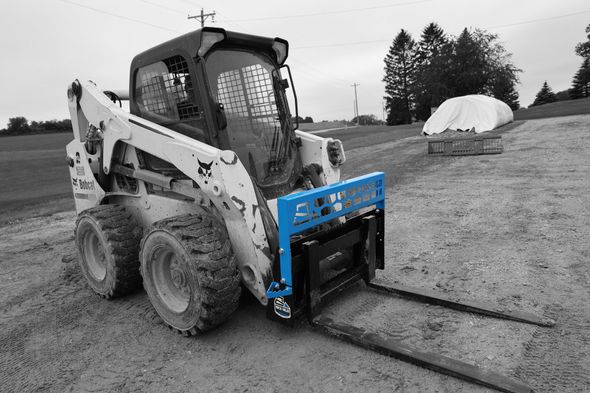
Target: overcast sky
(46, 44)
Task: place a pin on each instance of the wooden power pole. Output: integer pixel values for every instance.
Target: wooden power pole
(356, 103)
(203, 17)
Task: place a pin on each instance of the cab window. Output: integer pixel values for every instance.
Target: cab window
(164, 93)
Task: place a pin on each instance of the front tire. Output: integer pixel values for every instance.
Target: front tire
(107, 239)
(190, 272)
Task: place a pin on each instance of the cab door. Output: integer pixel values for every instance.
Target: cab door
(165, 92)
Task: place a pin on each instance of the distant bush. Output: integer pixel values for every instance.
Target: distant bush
(307, 119)
(20, 126)
(366, 120)
(563, 95)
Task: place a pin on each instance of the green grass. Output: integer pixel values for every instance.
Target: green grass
(324, 125)
(359, 136)
(33, 169)
(555, 109)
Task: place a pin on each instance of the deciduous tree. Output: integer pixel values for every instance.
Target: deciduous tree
(443, 67)
(17, 125)
(581, 81)
(583, 48)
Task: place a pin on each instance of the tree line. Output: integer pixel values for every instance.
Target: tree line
(20, 126)
(580, 82)
(422, 75)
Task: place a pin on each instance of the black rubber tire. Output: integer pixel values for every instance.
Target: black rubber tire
(107, 239)
(194, 250)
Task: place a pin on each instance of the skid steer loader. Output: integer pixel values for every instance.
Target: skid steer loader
(207, 187)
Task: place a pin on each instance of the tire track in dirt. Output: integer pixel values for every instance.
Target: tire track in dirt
(544, 368)
(57, 330)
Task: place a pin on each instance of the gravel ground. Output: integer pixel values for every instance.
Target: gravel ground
(509, 229)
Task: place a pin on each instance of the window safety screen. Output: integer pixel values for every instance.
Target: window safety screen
(247, 84)
(164, 89)
(249, 101)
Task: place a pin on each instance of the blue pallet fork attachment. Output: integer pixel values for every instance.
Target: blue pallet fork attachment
(303, 211)
(304, 244)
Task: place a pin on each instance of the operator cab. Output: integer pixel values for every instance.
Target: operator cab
(224, 89)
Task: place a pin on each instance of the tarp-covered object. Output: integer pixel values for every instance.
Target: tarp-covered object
(478, 112)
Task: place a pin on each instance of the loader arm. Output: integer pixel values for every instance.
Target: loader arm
(217, 174)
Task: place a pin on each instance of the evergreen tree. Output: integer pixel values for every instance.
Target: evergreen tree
(431, 43)
(544, 96)
(399, 79)
(430, 58)
(475, 62)
(468, 67)
(581, 82)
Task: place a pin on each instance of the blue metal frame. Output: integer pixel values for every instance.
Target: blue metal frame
(304, 210)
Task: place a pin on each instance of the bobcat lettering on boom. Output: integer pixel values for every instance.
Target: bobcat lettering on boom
(86, 185)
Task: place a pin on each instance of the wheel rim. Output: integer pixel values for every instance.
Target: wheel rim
(95, 255)
(170, 279)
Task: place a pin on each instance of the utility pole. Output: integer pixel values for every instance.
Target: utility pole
(203, 17)
(356, 103)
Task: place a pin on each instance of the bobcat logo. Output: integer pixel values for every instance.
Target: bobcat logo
(205, 170)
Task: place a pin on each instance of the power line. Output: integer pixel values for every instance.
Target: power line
(163, 7)
(489, 27)
(228, 21)
(303, 73)
(330, 12)
(119, 16)
(538, 20)
(321, 73)
(340, 44)
(192, 3)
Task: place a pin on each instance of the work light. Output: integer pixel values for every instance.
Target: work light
(281, 48)
(208, 39)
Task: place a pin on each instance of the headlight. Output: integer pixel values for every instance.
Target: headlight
(336, 153)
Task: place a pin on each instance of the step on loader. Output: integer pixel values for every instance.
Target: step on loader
(205, 186)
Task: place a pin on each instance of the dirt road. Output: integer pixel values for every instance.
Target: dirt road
(510, 229)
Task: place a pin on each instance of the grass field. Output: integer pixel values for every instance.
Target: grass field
(33, 166)
(560, 108)
(324, 125)
(33, 169)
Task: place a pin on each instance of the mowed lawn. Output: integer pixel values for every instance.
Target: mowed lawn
(33, 169)
(559, 108)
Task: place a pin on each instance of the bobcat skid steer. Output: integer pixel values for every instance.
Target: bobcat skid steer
(206, 187)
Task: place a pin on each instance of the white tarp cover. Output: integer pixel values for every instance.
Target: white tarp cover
(478, 112)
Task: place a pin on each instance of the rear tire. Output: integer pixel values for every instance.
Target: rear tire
(190, 272)
(107, 239)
